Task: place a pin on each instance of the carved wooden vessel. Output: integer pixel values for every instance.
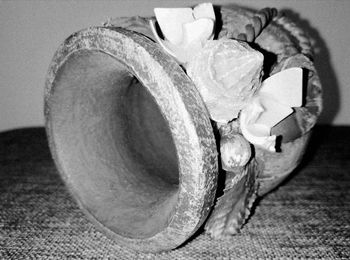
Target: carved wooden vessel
(133, 141)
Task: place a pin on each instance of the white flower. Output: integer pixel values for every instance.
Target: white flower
(227, 73)
(185, 29)
(274, 102)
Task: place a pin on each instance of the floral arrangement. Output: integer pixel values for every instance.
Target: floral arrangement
(228, 74)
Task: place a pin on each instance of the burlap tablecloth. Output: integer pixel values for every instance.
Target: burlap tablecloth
(307, 217)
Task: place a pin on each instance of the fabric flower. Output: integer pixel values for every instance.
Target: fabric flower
(227, 73)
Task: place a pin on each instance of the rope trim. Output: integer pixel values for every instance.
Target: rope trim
(259, 21)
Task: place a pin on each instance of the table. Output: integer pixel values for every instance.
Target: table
(306, 217)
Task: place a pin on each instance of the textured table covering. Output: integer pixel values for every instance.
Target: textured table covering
(307, 217)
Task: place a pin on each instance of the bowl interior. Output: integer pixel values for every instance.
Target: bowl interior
(113, 146)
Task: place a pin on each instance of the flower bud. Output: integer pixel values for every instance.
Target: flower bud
(235, 152)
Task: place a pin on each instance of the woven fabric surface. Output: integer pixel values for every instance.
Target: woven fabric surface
(306, 217)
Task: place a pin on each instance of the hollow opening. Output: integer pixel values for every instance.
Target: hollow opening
(113, 146)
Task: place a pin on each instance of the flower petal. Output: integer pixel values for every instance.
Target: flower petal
(164, 44)
(285, 86)
(170, 21)
(198, 31)
(194, 36)
(204, 10)
(255, 133)
(274, 112)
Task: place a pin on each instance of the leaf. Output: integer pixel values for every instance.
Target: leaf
(233, 207)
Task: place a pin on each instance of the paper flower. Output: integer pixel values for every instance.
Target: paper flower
(274, 102)
(185, 29)
(227, 74)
